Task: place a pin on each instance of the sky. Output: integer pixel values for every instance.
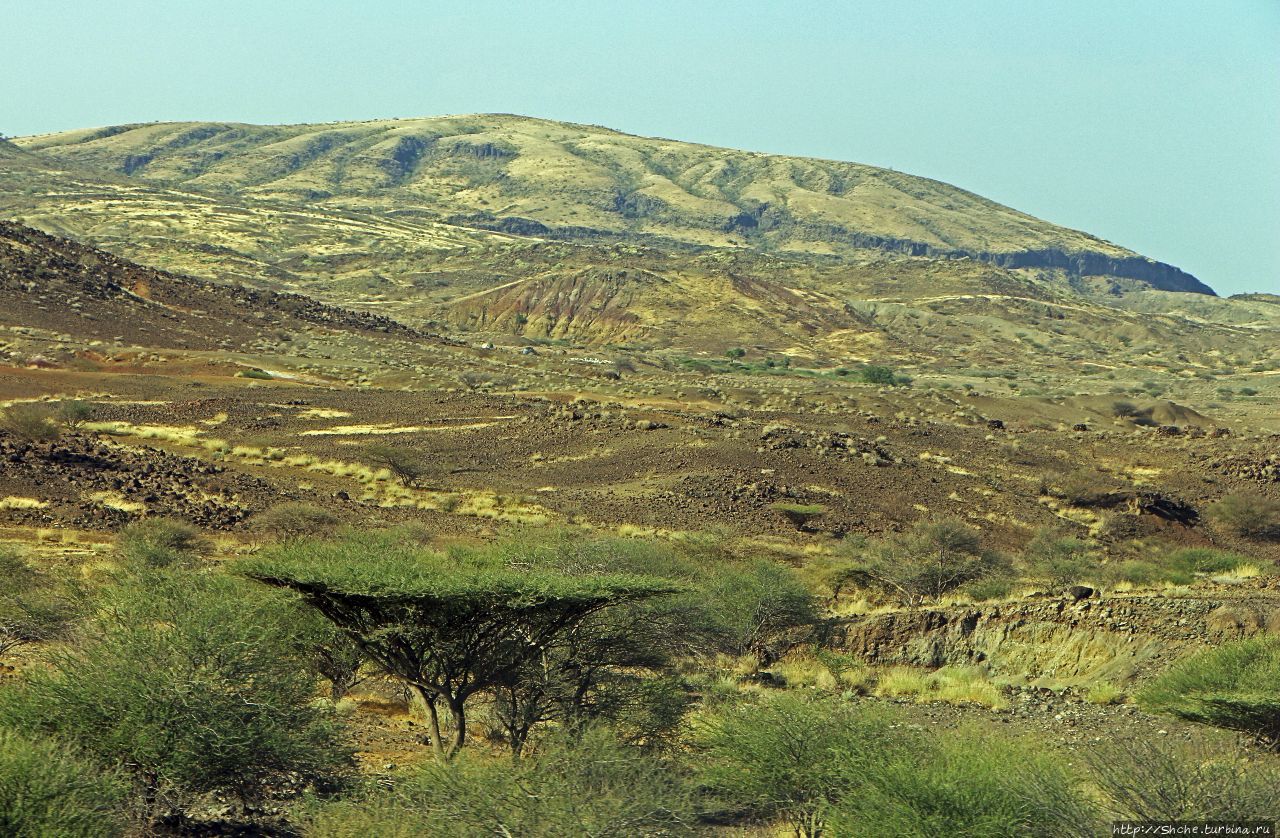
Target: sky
(1154, 124)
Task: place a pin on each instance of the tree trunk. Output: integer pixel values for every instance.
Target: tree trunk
(459, 713)
(518, 739)
(433, 718)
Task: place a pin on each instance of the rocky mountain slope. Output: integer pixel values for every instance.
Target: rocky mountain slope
(537, 177)
(55, 285)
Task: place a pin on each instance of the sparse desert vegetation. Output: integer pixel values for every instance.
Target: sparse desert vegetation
(1232, 686)
(651, 684)
(1250, 514)
(431, 495)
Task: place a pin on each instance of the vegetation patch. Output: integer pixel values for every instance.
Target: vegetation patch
(18, 502)
(1236, 686)
(46, 789)
(950, 684)
(117, 501)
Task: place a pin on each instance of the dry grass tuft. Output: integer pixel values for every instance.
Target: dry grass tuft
(1105, 693)
(950, 684)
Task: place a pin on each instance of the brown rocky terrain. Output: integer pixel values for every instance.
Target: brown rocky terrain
(86, 483)
(60, 286)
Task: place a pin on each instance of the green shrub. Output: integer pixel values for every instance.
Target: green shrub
(832, 768)
(1248, 514)
(294, 520)
(1083, 488)
(990, 588)
(29, 422)
(158, 543)
(1104, 693)
(587, 786)
(33, 607)
(793, 759)
(881, 375)
(1162, 781)
(1205, 560)
(968, 783)
(824, 669)
(1059, 560)
(933, 558)
(187, 685)
(46, 791)
(1236, 686)
(761, 608)
(254, 372)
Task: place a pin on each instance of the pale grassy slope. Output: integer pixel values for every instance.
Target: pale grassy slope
(295, 244)
(571, 176)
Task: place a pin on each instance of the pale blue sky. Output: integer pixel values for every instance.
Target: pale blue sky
(1152, 123)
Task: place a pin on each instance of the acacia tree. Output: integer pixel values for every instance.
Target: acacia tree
(617, 664)
(329, 652)
(73, 413)
(408, 467)
(929, 560)
(603, 667)
(799, 515)
(449, 627)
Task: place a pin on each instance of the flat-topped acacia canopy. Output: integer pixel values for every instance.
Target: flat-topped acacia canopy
(449, 625)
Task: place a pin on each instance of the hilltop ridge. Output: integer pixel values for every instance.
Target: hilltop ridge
(527, 176)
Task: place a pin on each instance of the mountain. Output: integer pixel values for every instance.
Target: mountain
(542, 178)
(516, 231)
